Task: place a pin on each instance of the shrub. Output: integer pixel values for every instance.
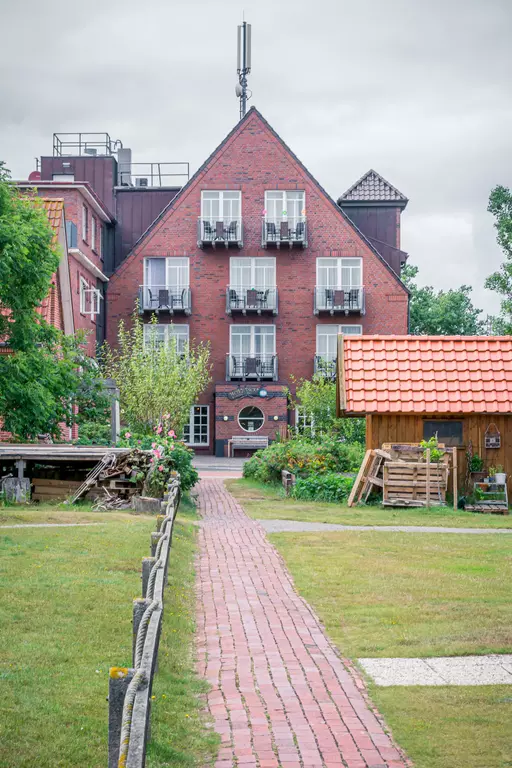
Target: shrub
(303, 458)
(167, 452)
(94, 433)
(329, 487)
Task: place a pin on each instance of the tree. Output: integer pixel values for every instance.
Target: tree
(441, 313)
(500, 205)
(316, 398)
(45, 377)
(157, 381)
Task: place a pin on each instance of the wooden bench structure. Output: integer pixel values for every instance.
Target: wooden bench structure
(252, 442)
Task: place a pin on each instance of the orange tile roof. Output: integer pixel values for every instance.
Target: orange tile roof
(427, 374)
(54, 210)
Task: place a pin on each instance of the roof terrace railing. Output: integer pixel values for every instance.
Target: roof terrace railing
(72, 144)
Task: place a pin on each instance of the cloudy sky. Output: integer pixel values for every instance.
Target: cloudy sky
(419, 91)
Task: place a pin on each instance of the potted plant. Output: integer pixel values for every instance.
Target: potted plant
(476, 468)
(492, 474)
(501, 476)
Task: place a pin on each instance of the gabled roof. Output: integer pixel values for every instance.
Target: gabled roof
(184, 190)
(373, 188)
(425, 374)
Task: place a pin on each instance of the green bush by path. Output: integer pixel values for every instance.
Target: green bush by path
(329, 487)
(303, 458)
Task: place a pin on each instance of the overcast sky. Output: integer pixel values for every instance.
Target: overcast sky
(420, 91)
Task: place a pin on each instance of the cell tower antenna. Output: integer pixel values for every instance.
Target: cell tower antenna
(243, 64)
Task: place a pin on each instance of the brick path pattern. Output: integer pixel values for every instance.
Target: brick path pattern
(280, 695)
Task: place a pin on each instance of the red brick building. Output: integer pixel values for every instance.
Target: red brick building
(253, 256)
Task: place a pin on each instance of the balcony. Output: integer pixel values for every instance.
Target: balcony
(340, 301)
(252, 301)
(227, 232)
(165, 298)
(251, 367)
(289, 231)
(326, 367)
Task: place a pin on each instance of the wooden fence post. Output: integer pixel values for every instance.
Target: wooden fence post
(155, 538)
(428, 477)
(118, 681)
(139, 606)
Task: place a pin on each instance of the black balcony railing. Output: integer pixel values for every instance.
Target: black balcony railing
(251, 367)
(285, 230)
(340, 300)
(251, 300)
(165, 298)
(226, 231)
(325, 366)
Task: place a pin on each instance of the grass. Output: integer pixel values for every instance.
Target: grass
(450, 727)
(400, 594)
(266, 502)
(65, 617)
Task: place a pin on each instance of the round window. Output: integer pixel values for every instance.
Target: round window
(251, 418)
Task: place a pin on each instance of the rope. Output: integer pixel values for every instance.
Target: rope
(152, 578)
(138, 680)
(142, 631)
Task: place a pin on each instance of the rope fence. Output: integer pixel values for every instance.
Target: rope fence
(129, 696)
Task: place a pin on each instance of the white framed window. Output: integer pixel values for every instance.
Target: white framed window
(165, 333)
(304, 421)
(281, 205)
(327, 338)
(67, 177)
(340, 273)
(252, 340)
(246, 273)
(221, 205)
(90, 299)
(166, 272)
(85, 223)
(93, 233)
(251, 418)
(197, 431)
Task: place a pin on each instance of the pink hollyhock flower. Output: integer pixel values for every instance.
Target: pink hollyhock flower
(153, 445)
(127, 435)
(161, 467)
(167, 415)
(171, 433)
(159, 429)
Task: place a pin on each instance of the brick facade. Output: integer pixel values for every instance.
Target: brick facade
(253, 159)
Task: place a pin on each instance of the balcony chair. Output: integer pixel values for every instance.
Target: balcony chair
(263, 298)
(236, 367)
(266, 366)
(178, 299)
(235, 301)
(252, 366)
(338, 299)
(150, 300)
(252, 299)
(208, 233)
(300, 232)
(284, 231)
(219, 230)
(231, 231)
(163, 299)
(353, 298)
(271, 231)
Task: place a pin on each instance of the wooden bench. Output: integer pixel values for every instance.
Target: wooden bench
(253, 442)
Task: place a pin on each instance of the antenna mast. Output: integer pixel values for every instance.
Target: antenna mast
(243, 64)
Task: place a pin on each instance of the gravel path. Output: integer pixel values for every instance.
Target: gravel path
(281, 696)
(295, 526)
(457, 670)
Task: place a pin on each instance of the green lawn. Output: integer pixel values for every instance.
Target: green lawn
(65, 618)
(398, 594)
(269, 502)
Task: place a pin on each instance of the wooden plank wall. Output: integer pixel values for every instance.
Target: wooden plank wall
(399, 428)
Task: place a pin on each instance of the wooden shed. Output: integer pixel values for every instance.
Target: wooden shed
(410, 388)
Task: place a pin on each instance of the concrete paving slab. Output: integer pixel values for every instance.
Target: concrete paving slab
(296, 526)
(458, 670)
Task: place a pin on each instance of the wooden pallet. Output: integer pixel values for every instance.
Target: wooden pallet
(488, 508)
(45, 489)
(369, 476)
(414, 483)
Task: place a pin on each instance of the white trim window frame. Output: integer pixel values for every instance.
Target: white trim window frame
(172, 272)
(327, 338)
(246, 272)
(252, 340)
(221, 205)
(343, 273)
(304, 421)
(165, 332)
(84, 296)
(197, 432)
(93, 232)
(85, 223)
(285, 205)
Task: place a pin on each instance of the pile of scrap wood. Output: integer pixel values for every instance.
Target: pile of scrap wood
(405, 475)
(115, 479)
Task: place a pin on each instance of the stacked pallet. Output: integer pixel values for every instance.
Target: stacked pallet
(46, 489)
(405, 475)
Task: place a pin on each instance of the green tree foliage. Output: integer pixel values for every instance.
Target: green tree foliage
(317, 398)
(441, 313)
(500, 205)
(46, 377)
(156, 381)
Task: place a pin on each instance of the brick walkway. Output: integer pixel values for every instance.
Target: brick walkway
(281, 696)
